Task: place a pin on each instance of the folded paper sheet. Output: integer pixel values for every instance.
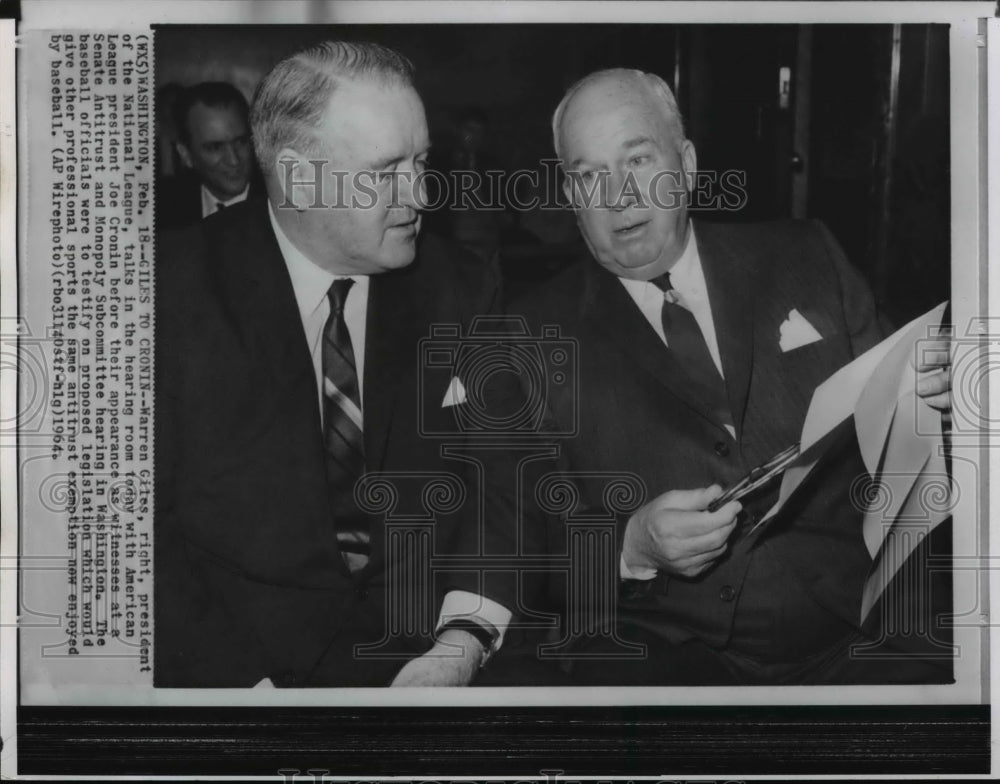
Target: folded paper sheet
(901, 444)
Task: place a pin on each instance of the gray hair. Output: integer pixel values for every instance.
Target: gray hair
(659, 88)
(291, 100)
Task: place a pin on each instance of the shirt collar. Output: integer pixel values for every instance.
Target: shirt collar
(687, 275)
(310, 282)
(209, 201)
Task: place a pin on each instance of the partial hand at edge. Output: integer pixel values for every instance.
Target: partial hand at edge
(933, 366)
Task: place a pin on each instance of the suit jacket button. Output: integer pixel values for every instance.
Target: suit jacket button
(728, 593)
(722, 449)
(361, 593)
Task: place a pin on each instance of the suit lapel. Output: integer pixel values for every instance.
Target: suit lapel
(253, 275)
(388, 342)
(612, 312)
(729, 277)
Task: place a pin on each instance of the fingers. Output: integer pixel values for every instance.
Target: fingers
(727, 512)
(695, 565)
(688, 500)
(711, 540)
(931, 384)
(690, 525)
(710, 544)
(940, 402)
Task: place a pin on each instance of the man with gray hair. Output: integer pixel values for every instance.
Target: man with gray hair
(287, 382)
(699, 347)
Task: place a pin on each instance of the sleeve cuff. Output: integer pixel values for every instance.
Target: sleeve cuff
(639, 573)
(464, 604)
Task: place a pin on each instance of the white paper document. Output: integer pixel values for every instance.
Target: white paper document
(901, 444)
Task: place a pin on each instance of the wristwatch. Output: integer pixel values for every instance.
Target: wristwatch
(480, 628)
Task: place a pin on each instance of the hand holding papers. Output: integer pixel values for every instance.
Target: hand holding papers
(901, 444)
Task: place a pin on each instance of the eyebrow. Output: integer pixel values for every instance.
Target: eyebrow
(638, 141)
(630, 144)
(383, 163)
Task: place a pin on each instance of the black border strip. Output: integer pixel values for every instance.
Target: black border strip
(441, 742)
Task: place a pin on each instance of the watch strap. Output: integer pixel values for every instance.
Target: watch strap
(481, 629)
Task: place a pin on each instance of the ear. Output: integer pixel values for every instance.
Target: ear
(299, 183)
(185, 153)
(690, 160)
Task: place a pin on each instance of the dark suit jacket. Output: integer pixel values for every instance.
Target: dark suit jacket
(777, 596)
(249, 580)
(178, 199)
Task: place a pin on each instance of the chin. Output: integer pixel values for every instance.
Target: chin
(633, 264)
(399, 260)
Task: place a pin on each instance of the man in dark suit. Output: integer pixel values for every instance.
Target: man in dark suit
(698, 349)
(212, 123)
(287, 383)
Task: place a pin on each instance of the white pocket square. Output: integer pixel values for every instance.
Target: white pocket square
(796, 332)
(455, 394)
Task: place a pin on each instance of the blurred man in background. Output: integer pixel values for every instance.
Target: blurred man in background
(211, 122)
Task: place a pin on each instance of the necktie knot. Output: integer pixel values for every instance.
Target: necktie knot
(662, 282)
(338, 294)
(670, 294)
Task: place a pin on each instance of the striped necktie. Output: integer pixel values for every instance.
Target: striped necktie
(343, 431)
(686, 341)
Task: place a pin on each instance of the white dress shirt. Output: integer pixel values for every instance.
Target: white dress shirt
(688, 279)
(210, 203)
(311, 284)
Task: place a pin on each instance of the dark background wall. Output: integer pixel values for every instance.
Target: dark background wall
(861, 141)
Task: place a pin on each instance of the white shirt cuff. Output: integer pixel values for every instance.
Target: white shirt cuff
(459, 604)
(639, 573)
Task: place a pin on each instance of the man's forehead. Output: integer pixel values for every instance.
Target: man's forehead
(354, 96)
(621, 108)
(363, 113)
(205, 119)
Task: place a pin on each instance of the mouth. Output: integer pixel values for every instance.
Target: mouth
(408, 227)
(633, 230)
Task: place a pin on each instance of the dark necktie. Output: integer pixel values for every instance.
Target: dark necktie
(686, 341)
(343, 432)
(219, 206)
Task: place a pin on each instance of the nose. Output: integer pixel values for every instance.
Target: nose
(231, 155)
(622, 192)
(412, 189)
